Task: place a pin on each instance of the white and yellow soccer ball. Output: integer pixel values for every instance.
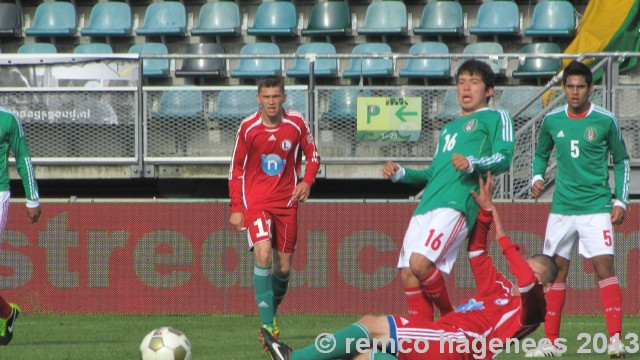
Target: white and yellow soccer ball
(165, 343)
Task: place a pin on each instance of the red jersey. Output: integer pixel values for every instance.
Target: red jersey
(494, 312)
(266, 162)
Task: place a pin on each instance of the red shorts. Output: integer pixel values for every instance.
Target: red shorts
(280, 226)
(412, 334)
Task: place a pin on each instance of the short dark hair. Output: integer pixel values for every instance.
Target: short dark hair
(477, 67)
(271, 82)
(577, 68)
(551, 267)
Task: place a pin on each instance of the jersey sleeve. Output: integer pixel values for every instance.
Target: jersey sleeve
(501, 135)
(417, 177)
(484, 271)
(236, 172)
(310, 150)
(621, 166)
(543, 151)
(18, 143)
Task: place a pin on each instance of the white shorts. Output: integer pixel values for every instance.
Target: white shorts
(4, 211)
(594, 231)
(437, 235)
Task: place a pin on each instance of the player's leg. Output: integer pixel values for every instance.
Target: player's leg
(597, 243)
(285, 237)
(8, 312)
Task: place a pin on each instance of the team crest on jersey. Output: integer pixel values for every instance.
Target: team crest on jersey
(501, 302)
(272, 164)
(286, 144)
(590, 134)
(470, 126)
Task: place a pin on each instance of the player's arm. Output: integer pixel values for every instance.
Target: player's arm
(308, 146)
(621, 173)
(502, 137)
(18, 143)
(541, 158)
(397, 173)
(236, 173)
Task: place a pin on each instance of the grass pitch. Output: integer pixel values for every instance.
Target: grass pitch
(115, 337)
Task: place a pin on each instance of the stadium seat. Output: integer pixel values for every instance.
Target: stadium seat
(328, 19)
(10, 20)
(37, 48)
(297, 101)
(220, 18)
(109, 19)
(538, 67)
(499, 66)
(202, 67)
(179, 117)
(152, 68)
(343, 104)
(93, 49)
(164, 19)
(425, 67)
(450, 107)
(233, 105)
(512, 100)
(552, 19)
(370, 67)
(441, 18)
(252, 68)
(385, 18)
(54, 19)
(497, 18)
(278, 18)
(180, 104)
(322, 67)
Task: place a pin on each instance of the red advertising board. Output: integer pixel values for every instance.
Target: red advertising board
(184, 258)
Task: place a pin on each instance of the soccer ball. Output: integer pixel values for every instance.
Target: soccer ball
(165, 343)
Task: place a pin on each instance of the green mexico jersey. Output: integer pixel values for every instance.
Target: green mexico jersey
(582, 149)
(486, 139)
(12, 137)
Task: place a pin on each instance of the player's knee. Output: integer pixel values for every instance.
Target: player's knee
(263, 258)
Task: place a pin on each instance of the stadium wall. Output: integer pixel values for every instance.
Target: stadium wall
(182, 257)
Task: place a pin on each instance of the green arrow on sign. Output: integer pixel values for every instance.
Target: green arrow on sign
(401, 113)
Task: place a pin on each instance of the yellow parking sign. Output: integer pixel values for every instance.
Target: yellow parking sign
(389, 118)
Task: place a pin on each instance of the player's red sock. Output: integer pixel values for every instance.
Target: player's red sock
(436, 290)
(555, 303)
(611, 297)
(5, 309)
(418, 304)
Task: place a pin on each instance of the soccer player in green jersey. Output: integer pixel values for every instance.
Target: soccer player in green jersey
(480, 140)
(585, 137)
(12, 138)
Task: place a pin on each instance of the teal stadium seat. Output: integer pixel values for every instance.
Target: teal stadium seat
(252, 68)
(10, 20)
(370, 67)
(343, 105)
(234, 105)
(167, 18)
(220, 18)
(93, 49)
(450, 107)
(441, 18)
(331, 18)
(37, 48)
(202, 67)
(385, 18)
(54, 19)
(109, 19)
(427, 68)
(538, 67)
(499, 66)
(512, 99)
(278, 18)
(552, 19)
(497, 18)
(297, 101)
(152, 68)
(179, 117)
(322, 67)
(180, 103)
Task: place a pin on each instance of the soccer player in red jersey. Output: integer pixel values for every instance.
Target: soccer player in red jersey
(499, 310)
(265, 191)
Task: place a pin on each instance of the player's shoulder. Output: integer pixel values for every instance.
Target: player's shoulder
(558, 113)
(7, 115)
(491, 114)
(604, 113)
(250, 122)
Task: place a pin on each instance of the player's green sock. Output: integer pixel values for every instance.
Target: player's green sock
(279, 285)
(343, 343)
(264, 293)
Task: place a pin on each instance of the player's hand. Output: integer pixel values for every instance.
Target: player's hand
(460, 162)
(617, 215)
(33, 214)
(499, 229)
(537, 188)
(301, 192)
(389, 169)
(237, 220)
(486, 190)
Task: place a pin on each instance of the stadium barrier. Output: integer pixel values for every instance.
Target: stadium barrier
(183, 257)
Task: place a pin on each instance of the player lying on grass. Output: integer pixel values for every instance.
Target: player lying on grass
(499, 310)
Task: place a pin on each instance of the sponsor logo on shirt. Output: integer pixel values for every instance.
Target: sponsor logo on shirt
(590, 134)
(286, 144)
(272, 164)
(501, 302)
(470, 126)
